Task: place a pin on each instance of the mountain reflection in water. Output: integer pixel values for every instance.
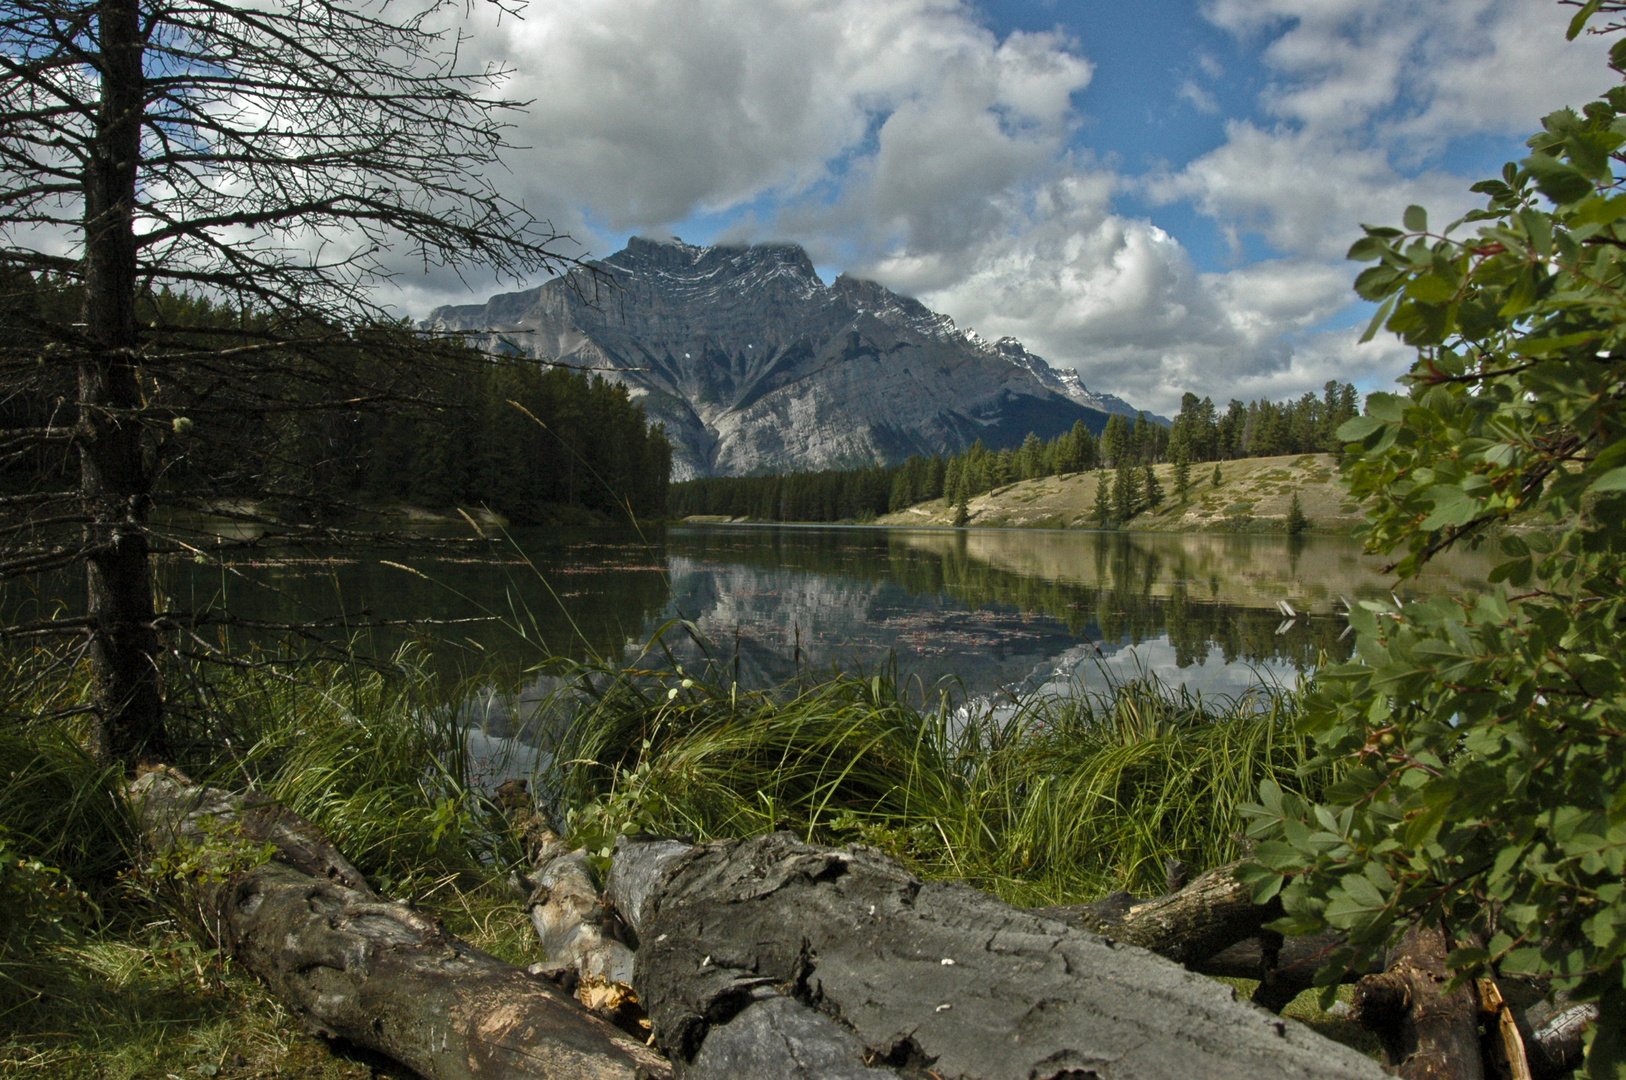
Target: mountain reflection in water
(1019, 609)
(981, 610)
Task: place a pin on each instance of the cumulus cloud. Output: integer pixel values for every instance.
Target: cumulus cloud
(649, 111)
(903, 140)
(1121, 299)
(1305, 193)
(1363, 93)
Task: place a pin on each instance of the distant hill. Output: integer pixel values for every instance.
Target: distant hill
(1253, 496)
(754, 365)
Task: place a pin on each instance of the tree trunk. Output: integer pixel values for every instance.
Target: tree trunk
(1427, 1034)
(355, 966)
(114, 476)
(808, 961)
(1283, 973)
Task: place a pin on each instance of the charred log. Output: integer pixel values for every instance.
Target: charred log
(842, 957)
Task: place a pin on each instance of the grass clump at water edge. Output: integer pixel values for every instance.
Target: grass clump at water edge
(1047, 800)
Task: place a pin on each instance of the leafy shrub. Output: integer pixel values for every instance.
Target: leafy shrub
(1484, 738)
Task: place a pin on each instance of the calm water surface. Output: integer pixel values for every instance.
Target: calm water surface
(990, 610)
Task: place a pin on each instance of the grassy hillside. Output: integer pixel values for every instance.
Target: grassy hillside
(1252, 496)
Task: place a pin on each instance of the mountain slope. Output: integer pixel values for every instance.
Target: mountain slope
(754, 365)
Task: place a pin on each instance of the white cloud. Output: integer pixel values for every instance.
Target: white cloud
(649, 111)
(1201, 99)
(1364, 92)
(904, 140)
(1304, 192)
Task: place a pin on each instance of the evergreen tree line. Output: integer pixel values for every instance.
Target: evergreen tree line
(1307, 425)
(866, 493)
(353, 426)
(1128, 447)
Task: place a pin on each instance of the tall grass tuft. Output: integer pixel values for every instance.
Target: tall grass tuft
(1045, 801)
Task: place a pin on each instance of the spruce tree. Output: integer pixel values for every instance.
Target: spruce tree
(1152, 491)
(1102, 511)
(283, 158)
(1218, 479)
(1182, 473)
(1296, 521)
(1125, 493)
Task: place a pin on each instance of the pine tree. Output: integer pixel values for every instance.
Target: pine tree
(1182, 473)
(1102, 511)
(1152, 491)
(1217, 478)
(1125, 493)
(1297, 523)
(962, 512)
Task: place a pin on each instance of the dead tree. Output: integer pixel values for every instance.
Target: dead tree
(265, 158)
(356, 966)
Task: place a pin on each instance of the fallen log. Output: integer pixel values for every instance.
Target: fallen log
(1204, 918)
(809, 961)
(358, 967)
(1427, 1033)
(1557, 1047)
(1283, 975)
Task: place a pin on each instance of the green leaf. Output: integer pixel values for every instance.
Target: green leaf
(1546, 346)
(1559, 181)
(1358, 428)
(1416, 219)
(1431, 289)
(1577, 24)
(1376, 282)
(1367, 248)
(1613, 480)
(1378, 318)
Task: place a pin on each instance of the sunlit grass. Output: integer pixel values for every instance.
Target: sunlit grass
(1041, 801)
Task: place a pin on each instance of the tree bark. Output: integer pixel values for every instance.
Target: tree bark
(356, 966)
(818, 962)
(1202, 919)
(114, 475)
(1427, 1034)
(1558, 1047)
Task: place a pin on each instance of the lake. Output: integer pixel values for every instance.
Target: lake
(990, 610)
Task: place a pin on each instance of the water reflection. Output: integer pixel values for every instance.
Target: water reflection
(1017, 610)
(1021, 609)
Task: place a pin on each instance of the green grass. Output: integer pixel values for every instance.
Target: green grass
(1044, 802)
(102, 975)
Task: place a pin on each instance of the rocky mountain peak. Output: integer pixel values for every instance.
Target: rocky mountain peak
(754, 364)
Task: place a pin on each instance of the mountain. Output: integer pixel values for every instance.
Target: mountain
(755, 365)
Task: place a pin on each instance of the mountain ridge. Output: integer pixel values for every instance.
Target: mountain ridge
(754, 364)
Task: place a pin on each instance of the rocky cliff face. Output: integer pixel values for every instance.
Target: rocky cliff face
(754, 365)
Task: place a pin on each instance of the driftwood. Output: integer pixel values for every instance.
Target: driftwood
(358, 967)
(580, 934)
(1211, 926)
(769, 957)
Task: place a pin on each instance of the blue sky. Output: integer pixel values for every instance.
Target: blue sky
(1157, 193)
